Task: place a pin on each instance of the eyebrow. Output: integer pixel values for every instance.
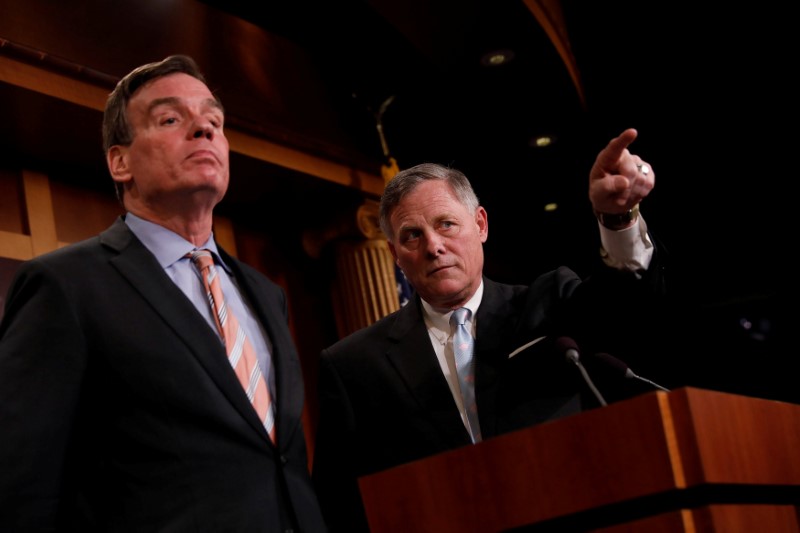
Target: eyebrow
(174, 101)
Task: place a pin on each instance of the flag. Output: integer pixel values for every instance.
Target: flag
(404, 291)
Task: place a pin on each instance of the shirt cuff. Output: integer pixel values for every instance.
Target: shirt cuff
(627, 249)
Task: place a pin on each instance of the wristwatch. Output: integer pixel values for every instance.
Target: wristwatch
(618, 221)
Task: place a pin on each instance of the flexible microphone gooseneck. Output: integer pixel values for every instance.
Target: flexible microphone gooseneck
(569, 348)
(625, 370)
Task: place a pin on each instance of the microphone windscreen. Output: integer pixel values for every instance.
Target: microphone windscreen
(566, 343)
(613, 362)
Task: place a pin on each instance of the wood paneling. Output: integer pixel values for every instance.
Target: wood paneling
(11, 216)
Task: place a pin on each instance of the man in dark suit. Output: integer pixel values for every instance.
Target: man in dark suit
(119, 407)
(392, 392)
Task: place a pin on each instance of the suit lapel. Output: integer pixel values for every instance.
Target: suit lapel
(139, 267)
(412, 356)
(496, 325)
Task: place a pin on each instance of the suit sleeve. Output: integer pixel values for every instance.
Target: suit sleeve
(42, 364)
(334, 462)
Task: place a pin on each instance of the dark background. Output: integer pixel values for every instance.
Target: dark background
(711, 90)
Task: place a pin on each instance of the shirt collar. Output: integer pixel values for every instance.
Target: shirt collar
(441, 319)
(167, 246)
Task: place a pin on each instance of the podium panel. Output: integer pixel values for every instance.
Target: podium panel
(691, 457)
(728, 518)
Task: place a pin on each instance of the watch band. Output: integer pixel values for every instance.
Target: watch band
(618, 221)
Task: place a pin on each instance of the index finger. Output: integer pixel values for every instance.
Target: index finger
(607, 159)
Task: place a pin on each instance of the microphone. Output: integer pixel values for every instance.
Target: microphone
(569, 348)
(625, 370)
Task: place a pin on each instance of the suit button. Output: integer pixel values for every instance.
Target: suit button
(284, 460)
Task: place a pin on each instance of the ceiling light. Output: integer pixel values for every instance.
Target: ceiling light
(542, 141)
(495, 58)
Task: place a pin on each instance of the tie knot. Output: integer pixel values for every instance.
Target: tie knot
(460, 316)
(201, 258)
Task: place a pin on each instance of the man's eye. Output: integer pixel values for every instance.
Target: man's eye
(409, 236)
(447, 225)
(411, 240)
(169, 120)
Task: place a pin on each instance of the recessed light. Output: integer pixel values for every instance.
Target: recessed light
(495, 58)
(542, 141)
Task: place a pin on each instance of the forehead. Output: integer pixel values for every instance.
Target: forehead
(431, 192)
(430, 199)
(177, 86)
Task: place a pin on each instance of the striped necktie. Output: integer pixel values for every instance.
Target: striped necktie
(463, 347)
(240, 351)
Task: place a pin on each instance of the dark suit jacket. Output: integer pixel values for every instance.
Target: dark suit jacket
(120, 411)
(384, 400)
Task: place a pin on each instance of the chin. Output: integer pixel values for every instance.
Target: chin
(443, 295)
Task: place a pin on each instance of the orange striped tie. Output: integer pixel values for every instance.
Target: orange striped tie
(240, 352)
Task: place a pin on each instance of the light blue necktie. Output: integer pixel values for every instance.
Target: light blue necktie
(463, 347)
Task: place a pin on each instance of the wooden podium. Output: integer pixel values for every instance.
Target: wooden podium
(691, 460)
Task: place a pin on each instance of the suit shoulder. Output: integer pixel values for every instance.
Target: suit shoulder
(365, 336)
(555, 280)
(76, 252)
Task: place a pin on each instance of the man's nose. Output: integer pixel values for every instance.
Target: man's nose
(435, 244)
(203, 128)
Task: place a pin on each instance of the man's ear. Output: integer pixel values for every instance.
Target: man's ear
(392, 250)
(482, 220)
(117, 161)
